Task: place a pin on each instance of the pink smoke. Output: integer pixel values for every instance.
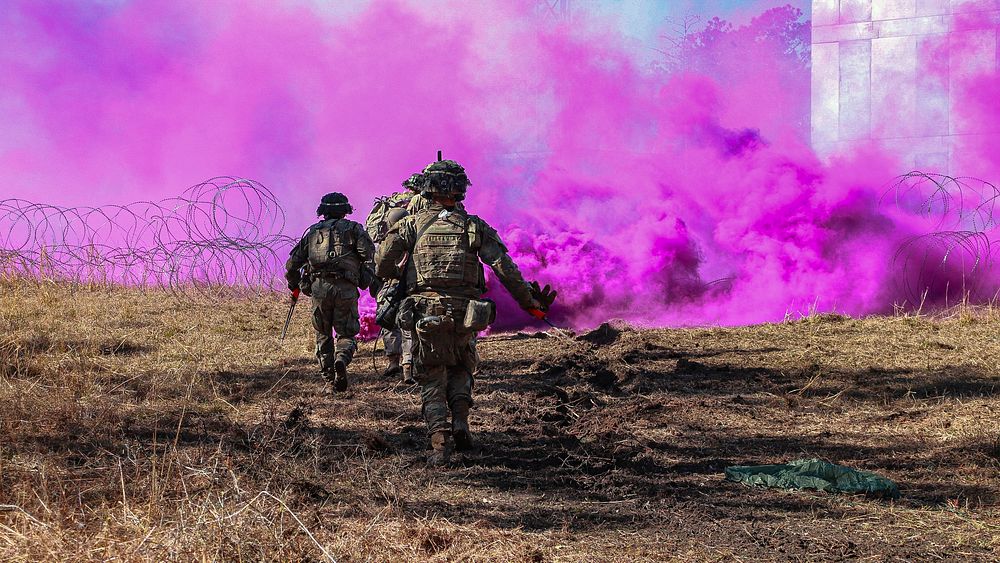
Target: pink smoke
(681, 194)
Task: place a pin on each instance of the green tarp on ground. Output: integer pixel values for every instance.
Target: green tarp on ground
(814, 474)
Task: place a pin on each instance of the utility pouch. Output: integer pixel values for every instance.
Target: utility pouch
(436, 341)
(306, 283)
(406, 314)
(479, 315)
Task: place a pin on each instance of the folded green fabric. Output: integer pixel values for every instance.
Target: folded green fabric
(814, 474)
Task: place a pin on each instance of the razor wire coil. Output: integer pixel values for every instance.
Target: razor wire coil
(222, 236)
(952, 257)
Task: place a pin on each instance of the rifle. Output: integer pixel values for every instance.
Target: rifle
(291, 309)
(385, 315)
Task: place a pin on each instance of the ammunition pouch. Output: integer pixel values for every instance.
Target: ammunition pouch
(479, 315)
(305, 283)
(436, 335)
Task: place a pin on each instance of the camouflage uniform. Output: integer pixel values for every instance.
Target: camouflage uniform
(420, 203)
(397, 341)
(447, 249)
(339, 253)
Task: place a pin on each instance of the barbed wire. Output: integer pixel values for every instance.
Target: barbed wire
(956, 259)
(226, 236)
(223, 236)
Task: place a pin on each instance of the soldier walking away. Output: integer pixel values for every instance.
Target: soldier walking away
(445, 279)
(385, 212)
(336, 254)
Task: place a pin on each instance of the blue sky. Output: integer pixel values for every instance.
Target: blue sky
(643, 19)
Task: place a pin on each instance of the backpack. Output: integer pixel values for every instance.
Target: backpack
(333, 250)
(377, 224)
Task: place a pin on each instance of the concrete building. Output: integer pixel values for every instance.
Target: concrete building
(887, 71)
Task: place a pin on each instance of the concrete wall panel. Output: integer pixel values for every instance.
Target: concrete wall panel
(973, 53)
(825, 12)
(825, 93)
(896, 71)
(912, 26)
(855, 90)
(933, 102)
(893, 9)
(844, 32)
(855, 10)
(933, 7)
(893, 88)
(962, 6)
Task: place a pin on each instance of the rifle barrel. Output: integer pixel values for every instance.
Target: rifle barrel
(288, 319)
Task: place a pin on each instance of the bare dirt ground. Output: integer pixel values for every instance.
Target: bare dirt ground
(137, 427)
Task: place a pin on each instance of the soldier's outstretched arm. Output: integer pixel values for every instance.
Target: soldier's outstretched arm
(391, 252)
(298, 258)
(493, 253)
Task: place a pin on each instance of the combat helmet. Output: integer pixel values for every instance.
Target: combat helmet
(445, 177)
(334, 204)
(413, 182)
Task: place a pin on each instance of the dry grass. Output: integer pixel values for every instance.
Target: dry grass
(135, 427)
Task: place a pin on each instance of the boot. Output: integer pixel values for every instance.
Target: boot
(442, 444)
(328, 374)
(408, 374)
(460, 428)
(394, 368)
(340, 375)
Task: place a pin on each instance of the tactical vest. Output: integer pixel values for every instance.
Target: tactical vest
(333, 250)
(446, 254)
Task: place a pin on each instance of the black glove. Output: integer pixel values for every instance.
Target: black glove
(375, 287)
(545, 296)
(293, 277)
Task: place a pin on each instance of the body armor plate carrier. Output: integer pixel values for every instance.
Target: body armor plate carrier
(446, 254)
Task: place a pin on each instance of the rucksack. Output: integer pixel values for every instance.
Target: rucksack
(377, 224)
(333, 250)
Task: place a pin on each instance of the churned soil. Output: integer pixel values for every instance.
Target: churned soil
(137, 426)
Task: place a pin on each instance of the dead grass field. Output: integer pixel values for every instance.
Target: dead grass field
(135, 427)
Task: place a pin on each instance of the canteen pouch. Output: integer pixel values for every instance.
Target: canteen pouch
(479, 315)
(436, 341)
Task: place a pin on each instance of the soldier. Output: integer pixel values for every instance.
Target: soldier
(419, 202)
(337, 253)
(385, 213)
(445, 279)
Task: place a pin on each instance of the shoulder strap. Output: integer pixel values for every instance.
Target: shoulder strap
(424, 230)
(416, 239)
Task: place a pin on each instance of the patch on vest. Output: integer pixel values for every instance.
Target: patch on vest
(442, 240)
